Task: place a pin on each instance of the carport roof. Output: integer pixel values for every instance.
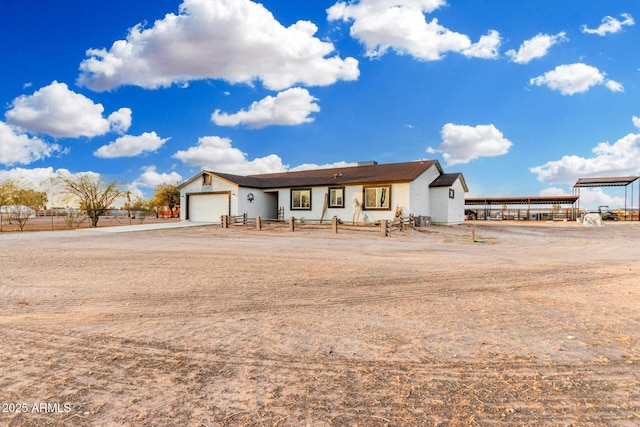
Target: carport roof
(620, 181)
(525, 200)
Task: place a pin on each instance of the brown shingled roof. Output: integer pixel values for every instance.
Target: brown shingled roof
(370, 174)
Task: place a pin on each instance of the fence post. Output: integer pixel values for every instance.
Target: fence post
(244, 218)
(258, 223)
(384, 224)
(292, 224)
(334, 225)
(224, 219)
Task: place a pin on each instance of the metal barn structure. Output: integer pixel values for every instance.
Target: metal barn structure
(533, 208)
(622, 181)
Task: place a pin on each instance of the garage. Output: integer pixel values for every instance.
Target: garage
(207, 207)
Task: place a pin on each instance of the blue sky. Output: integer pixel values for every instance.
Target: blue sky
(522, 97)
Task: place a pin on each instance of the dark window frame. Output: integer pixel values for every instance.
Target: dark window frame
(294, 208)
(452, 193)
(364, 198)
(337, 205)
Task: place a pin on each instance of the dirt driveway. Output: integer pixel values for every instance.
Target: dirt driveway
(533, 324)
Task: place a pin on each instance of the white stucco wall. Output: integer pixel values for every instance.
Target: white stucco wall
(439, 204)
(400, 196)
(444, 210)
(196, 186)
(317, 204)
(456, 206)
(263, 205)
(420, 193)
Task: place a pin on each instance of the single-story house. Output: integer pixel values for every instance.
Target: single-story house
(367, 192)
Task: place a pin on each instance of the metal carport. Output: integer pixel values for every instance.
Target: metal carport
(502, 203)
(621, 181)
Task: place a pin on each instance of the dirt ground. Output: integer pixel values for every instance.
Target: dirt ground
(531, 324)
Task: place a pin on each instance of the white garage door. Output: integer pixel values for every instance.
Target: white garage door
(208, 207)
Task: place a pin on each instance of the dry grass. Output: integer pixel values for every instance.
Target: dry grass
(58, 223)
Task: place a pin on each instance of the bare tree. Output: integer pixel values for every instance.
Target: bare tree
(93, 194)
(138, 207)
(72, 218)
(24, 202)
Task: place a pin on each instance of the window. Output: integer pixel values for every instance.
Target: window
(206, 179)
(301, 199)
(336, 197)
(377, 197)
(452, 193)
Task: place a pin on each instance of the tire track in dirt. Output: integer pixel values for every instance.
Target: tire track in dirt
(241, 340)
(427, 284)
(254, 299)
(513, 390)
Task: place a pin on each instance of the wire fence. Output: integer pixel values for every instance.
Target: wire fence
(71, 220)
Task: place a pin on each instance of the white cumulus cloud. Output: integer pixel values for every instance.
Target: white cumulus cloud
(290, 107)
(401, 25)
(617, 159)
(19, 148)
(462, 143)
(120, 121)
(36, 178)
(151, 178)
(553, 191)
(310, 166)
(610, 25)
(487, 47)
(235, 40)
(58, 111)
(614, 86)
(46, 179)
(217, 154)
(575, 78)
(43, 179)
(130, 146)
(535, 47)
(589, 197)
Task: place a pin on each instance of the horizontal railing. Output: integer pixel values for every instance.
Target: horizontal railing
(384, 227)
